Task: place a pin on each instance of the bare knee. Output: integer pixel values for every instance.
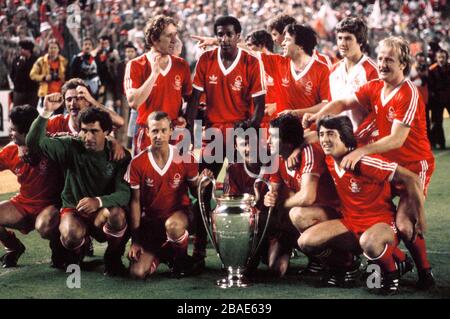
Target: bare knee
(306, 243)
(371, 245)
(138, 271)
(72, 236)
(303, 218)
(117, 218)
(405, 228)
(47, 224)
(175, 227)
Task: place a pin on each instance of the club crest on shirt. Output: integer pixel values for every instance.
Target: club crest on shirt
(391, 114)
(213, 79)
(43, 167)
(109, 170)
(17, 171)
(237, 86)
(175, 181)
(308, 88)
(285, 82)
(149, 182)
(354, 187)
(177, 84)
(269, 80)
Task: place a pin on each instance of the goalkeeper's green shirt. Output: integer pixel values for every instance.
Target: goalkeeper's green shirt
(87, 173)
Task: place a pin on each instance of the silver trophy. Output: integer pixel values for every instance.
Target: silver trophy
(233, 230)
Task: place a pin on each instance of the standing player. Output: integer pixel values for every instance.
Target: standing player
(40, 185)
(400, 116)
(76, 98)
(232, 80)
(368, 212)
(305, 78)
(160, 207)
(95, 193)
(277, 27)
(354, 70)
(157, 80)
(303, 196)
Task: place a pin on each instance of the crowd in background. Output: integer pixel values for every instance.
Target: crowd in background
(89, 38)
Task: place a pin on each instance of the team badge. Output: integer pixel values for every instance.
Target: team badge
(109, 169)
(176, 180)
(391, 114)
(237, 86)
(213, 79)
(285, 82)
(354, 187)
(269, 80)
(308, 88)
(43, 167)
(177, 85)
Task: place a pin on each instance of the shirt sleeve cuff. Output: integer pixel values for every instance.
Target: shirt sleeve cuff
(100, 201)
(45, 114)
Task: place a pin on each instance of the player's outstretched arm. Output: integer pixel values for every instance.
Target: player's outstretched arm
(307, 194)
(135, 220)
(334, 107)
(395, 140)
(36, 140)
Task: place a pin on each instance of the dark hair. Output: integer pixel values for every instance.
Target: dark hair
(261, 37)
(158, 116)
(355, 26)
(290, 129)
(227, 20)
(304, 36)
(155, 27)
(129, 45)
(22, 116)
(53, 41)
(106, 37)
(92, 115)
(88, 39)
(343, 125)
(280, 22)
(72, 85)
(442, 51)
(26, 45)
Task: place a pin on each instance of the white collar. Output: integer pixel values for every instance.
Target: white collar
(232, 66)
(160, 171)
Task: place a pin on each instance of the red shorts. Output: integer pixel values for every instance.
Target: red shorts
(89, 220)
(359, 227)
(29, 212)
(424, 169)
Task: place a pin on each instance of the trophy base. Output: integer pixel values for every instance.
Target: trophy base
(233, 282)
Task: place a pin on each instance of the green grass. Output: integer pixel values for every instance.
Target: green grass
(35, 279)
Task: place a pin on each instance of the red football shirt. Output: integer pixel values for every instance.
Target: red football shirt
(40, 185)
(312, 162)
(172, 84)
(365, 193)
(163, 190)
(403, 105)
(307, 88)
(229, 91)
(60, 124)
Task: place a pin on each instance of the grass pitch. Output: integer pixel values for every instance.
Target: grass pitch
(35, 279)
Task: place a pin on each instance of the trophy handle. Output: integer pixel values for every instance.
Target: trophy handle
(257, 197)
(205, 217)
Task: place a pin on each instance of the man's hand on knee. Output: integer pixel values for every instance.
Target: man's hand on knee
(88, 205)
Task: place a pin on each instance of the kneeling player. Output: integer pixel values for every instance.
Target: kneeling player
(367, 208)
(159, 178)
(40, 185)
(95, 194)
(303, 196)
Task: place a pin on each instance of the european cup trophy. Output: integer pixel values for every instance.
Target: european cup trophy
(233, 230)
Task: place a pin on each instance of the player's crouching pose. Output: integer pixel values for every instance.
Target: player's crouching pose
(367, 208)
(95, 193)
(40, 185)
(160, 207)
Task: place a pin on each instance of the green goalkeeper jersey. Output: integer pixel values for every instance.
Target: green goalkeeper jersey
(87, 173)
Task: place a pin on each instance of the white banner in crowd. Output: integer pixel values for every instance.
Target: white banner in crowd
(4, 113)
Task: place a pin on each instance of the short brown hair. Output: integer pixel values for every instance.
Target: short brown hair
(155, 27)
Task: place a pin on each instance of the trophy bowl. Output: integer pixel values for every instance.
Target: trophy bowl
(233, 230)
